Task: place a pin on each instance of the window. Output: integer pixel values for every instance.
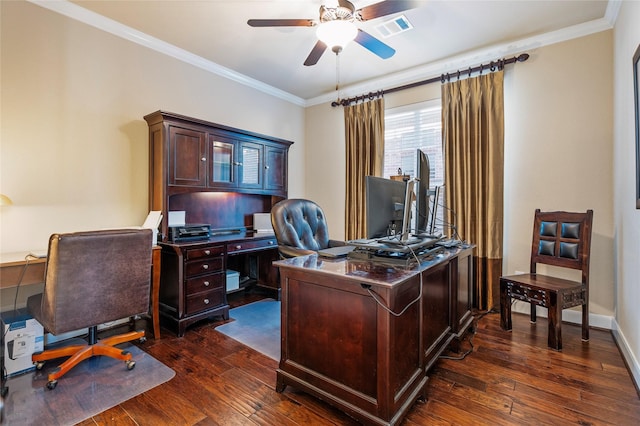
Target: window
(410, 127)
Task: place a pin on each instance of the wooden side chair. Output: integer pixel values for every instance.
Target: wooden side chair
(560, 239)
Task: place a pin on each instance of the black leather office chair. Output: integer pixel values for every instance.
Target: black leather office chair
(560, 239)
(300, 227)
(92, 278)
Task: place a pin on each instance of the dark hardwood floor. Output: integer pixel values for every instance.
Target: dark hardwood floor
(509, 378)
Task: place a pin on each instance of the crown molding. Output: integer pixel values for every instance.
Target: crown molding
(103, 23)
(472, 59)
(611, 14)
(412, 75)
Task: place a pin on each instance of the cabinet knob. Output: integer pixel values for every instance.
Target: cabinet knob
(206, 283)
(207, 252)
(206, 301)
(238, 247)
(204, 159)
(266, 167)
(205, 266)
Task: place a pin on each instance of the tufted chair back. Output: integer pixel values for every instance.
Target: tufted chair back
(300, 224)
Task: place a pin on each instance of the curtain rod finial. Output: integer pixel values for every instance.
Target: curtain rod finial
(523, 57)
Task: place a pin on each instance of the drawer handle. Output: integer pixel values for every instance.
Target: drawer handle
(207, 252)
(238, 247)
(270, 243)
(206, 283)
(206, 301)
(205, 266)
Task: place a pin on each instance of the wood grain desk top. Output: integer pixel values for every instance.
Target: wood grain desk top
(366, 271)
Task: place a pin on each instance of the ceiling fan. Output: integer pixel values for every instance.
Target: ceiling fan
(337, 26)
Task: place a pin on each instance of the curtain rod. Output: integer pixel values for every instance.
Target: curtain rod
(443, 78)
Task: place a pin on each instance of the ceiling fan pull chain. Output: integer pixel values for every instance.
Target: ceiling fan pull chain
(337, 72)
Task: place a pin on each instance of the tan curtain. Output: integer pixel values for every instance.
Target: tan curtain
(473, 139)
(364, 135)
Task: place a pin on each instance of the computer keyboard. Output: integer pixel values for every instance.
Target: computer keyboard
(396, 241)
(363, 241)
(449, 243)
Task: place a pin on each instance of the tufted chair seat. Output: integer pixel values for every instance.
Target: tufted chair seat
(300, 227)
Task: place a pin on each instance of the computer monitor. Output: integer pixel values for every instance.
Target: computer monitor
(423, 172)
(384, 199)
(409, 198)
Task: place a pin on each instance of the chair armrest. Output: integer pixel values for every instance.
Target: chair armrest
(289, 251)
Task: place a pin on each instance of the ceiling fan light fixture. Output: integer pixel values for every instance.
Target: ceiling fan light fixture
(336, 34)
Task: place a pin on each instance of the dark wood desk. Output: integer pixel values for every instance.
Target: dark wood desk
(193, 283)
(156, 257)
(344, 347)
(12, 265)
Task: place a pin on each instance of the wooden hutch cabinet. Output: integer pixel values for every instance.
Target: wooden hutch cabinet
(219, 176)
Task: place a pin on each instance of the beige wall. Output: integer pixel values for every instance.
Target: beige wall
(626, 216)
(74, 145)
(558, 156)
(558, 139)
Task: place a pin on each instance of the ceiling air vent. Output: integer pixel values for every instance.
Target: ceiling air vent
(394, 26)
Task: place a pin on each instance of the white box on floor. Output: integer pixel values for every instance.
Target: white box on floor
(23, 335)
(233, 280)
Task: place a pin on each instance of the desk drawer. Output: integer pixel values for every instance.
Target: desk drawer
(251, 245)
(205, 283)
(199, 253)
(205, 266)
(204, 301)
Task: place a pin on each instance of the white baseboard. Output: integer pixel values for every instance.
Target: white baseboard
(568, 315)
(50, 338)
(627, 354)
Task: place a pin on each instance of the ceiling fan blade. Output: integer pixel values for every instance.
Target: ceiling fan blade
(316, 53)
(281, 22)
(374, 45)
(388, 7)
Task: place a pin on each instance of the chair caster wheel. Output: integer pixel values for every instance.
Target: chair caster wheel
(130, 364)
(39, 365)
(142, 339)
(52, 384)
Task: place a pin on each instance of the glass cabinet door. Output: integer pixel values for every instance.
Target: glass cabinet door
(250, 170)
(222, 172)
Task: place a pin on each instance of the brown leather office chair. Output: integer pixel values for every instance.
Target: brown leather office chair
(92, 278)
(300, 227)
(560, 239)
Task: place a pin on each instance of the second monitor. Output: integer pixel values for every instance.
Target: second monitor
(395, 209)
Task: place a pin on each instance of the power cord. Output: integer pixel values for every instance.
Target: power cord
(474, 327)
(380, 302)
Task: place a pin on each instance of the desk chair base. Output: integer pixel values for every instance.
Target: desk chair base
(78, 353)
(553, 293)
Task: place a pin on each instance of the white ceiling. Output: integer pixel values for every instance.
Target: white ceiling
(446, 35)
